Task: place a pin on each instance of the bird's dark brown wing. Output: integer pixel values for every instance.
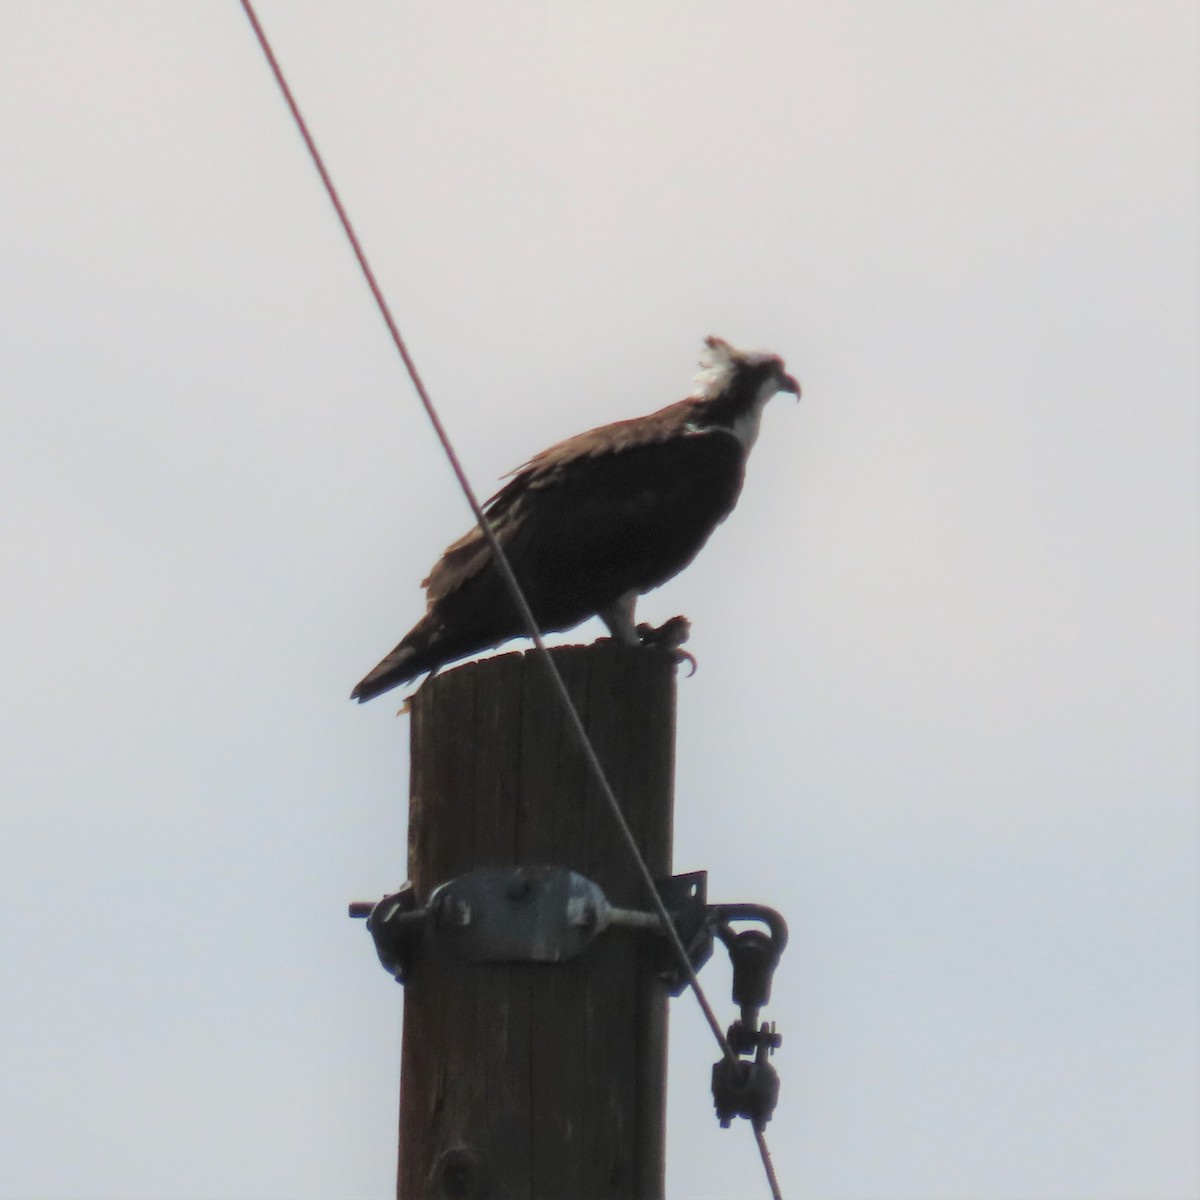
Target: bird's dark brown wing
(466, 557)
(583, 535)
(544, 472)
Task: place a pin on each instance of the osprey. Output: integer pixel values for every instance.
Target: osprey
(595, 521)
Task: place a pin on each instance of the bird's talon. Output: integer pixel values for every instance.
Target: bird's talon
(669, 636)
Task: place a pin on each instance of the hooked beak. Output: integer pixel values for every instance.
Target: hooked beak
(788, 384)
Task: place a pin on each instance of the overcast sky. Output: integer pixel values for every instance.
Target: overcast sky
(945, 717)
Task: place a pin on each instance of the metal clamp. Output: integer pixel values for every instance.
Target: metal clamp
(749, 1087)
(550, 914)
(518, 914)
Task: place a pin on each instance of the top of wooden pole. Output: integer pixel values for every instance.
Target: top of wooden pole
(490, 738)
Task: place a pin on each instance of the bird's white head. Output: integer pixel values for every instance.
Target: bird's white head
(736, 385)
(723, 366)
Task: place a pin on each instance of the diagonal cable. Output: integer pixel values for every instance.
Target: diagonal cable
(510, 579)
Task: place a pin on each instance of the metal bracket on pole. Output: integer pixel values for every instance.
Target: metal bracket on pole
(521, 914)
(550, 915)
(686, 899)
(396, 926)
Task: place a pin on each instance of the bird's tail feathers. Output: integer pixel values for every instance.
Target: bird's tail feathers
(414, 656)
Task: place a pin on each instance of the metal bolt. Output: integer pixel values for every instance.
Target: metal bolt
(451, 911)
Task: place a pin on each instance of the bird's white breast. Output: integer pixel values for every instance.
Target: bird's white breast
(745, 427)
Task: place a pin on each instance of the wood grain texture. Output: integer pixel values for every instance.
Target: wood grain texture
(538, 1081)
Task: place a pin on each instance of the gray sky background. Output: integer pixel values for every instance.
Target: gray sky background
(945, 717)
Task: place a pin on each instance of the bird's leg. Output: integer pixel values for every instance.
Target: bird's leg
(669, 636)
(618, 616)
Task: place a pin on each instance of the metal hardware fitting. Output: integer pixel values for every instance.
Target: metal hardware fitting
(550, 914)
(521, 914)
(750, 1087)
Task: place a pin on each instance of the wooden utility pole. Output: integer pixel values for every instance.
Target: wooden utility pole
(538, 1081)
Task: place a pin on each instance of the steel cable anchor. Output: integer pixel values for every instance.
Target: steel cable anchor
(749, 1087)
